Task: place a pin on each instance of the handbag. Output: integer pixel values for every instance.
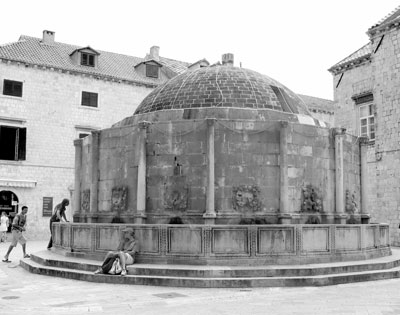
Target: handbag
(115, 268)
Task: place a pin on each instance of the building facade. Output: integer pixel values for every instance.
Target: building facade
(50, 94)
(367, 97)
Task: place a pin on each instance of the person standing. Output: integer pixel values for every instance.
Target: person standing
(4, 223)
(17, 227)
(58, 215)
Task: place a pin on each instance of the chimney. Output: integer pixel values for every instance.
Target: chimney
(155, 53)
(48, 37)
(227, 60)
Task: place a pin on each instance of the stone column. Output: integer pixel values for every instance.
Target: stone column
(140, 217)
(339, 134)
(78, 171)
(285, 216)
(210, 215)
(364, 141)
(94, 174)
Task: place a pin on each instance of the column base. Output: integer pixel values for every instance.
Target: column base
(340, 218)
(209, 218)
(286, 218)
(140, 218)
(365, 218)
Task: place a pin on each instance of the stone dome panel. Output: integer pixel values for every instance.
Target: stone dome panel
(222, 86)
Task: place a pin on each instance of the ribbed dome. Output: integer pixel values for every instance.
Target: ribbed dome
(222, 86)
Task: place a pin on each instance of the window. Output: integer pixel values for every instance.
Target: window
(12, 143)
(367, 121)
(83, 135)
(87, 59)
(287, 103)
(366, 115)
(13, 88)
(89, 99)
(151, 70)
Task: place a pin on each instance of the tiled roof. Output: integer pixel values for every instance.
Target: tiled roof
(317, 103)
(31, 50)
(391, 17)
(357, 56)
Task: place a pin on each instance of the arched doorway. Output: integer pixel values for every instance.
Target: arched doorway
(9, 204)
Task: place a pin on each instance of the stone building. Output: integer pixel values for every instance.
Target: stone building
(367, 94)
(52, 93)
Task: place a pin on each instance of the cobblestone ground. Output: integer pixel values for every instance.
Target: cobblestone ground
(24, 293)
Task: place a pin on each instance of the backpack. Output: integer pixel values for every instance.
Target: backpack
(111, 264)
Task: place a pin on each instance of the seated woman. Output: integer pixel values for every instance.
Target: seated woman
(126, 251)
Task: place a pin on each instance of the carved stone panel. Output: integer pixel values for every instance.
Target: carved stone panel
(311, 200)
(119, 198)
(246, 198)
(85, 201)
(176, 194)
(351, 204)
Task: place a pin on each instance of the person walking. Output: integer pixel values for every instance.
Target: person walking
(4, 223)
(58, 215)
(17, 227)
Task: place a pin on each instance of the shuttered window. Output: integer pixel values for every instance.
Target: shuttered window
(12, 88)
(12, 143)
(87, 59)
(89, 99)
(152, 70)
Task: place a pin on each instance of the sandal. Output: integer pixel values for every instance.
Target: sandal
(6, 260)
(27, 256)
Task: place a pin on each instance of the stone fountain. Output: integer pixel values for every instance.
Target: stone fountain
(239, 159)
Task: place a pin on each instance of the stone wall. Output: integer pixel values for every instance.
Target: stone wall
(386, 65)
(50, 110)
(381, 77)
(247, 170)
(229, 244)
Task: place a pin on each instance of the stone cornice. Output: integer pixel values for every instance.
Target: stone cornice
(383, 28)
(360, 61)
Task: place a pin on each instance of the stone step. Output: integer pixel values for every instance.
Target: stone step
(384, 263)
(214, 282)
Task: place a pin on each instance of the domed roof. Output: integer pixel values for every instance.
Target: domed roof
(221, 87)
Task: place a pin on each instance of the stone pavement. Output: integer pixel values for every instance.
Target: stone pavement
(24, 293)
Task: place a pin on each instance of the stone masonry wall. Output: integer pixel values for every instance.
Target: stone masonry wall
(382, 77)
(247, 169)
(50, 110)
(311, 162)
(386, 72)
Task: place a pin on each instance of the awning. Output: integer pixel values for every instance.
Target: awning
(23, 183)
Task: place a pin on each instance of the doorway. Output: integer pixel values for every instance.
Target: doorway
(9, 204)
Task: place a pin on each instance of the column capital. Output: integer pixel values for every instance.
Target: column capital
(284, 123)
(144, 124)
(78, 142)
(363, 140)
(210, 121)
(338, 131)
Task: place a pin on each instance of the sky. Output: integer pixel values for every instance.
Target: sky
(292, 41)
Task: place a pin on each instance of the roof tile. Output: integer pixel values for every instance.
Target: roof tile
(121, 67)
